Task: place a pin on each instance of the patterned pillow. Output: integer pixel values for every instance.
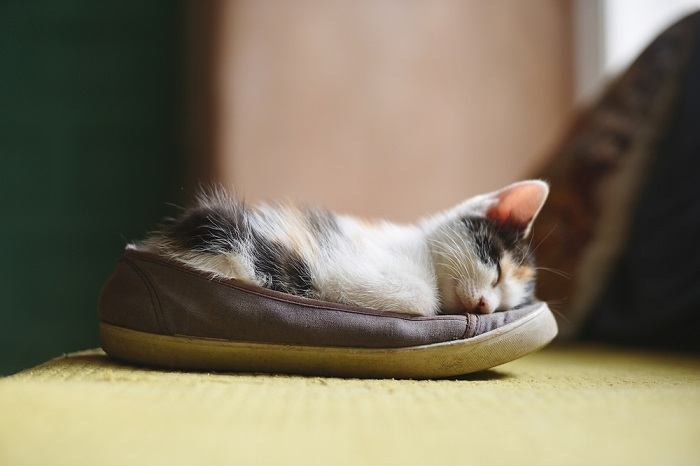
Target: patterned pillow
(597, 172)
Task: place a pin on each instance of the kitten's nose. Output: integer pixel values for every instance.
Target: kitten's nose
(483, 306)
(479, 304)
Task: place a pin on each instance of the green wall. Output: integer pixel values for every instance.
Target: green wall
(89, 154)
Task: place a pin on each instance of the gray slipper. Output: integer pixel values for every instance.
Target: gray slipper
(160, 313)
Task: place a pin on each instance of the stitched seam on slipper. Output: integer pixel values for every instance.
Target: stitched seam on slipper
(152, 293)
(298, 303)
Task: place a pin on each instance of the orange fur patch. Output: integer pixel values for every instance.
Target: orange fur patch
(295, 233)
(511, 268)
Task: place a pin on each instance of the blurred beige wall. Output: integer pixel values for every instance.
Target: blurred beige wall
(389, 108)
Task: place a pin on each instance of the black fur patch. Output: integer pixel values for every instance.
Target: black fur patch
(209, 229)
(224, 227)
(280, 268)
(492, 240)
(488, 246)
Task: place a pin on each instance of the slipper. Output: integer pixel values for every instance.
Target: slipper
(156, 312)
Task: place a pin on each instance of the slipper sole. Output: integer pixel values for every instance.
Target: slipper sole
(447, 359)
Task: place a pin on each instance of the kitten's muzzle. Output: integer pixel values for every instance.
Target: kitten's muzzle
(477, 305)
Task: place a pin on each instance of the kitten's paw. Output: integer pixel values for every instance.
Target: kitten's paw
(403, 295)
(416, 301)
(412, 310)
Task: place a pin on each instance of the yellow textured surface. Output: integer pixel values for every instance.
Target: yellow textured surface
(559, 406)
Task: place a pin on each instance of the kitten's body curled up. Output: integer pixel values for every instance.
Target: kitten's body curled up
(471, 258)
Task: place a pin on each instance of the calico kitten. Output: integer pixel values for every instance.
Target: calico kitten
(472, 258)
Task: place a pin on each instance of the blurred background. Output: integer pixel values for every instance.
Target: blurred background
(112, 110)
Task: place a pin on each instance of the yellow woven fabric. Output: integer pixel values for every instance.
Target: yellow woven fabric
(560, 406)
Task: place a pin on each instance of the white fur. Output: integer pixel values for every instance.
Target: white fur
(385, 267)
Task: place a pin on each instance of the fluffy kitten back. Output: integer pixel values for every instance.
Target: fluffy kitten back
(270, 246)
(308, 252)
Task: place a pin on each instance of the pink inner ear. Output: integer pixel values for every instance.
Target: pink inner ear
(518, 205)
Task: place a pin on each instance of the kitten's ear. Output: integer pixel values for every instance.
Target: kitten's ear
(517, 205)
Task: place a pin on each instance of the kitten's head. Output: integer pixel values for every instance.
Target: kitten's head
(481, 249)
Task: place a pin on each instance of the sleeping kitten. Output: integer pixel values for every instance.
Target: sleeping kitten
(473, 258)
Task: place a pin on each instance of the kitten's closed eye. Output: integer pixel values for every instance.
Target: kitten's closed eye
(498, 277)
